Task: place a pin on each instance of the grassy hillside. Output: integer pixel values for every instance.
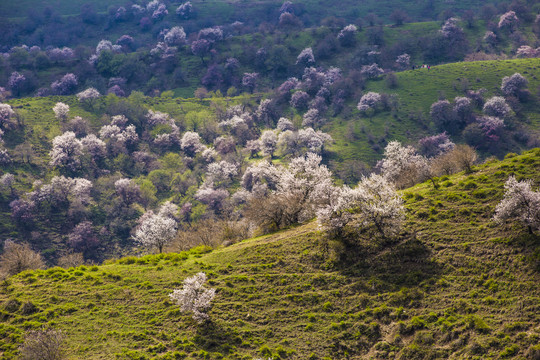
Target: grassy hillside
(418, 89)
(229, 11)
(454, 286)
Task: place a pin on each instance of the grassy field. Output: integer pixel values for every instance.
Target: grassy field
(455, 285)
(228, 11)
(416, 91)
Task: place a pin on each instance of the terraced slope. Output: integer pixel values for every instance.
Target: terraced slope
(455, 285)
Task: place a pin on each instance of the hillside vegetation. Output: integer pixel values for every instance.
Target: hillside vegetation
(455, 285)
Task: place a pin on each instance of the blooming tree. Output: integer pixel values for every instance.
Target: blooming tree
(268, 141)
(299, 100)
(371, 71)
(403, 61)
(497, 106)
(194, 297)
(127, 190)
(61, 110)
(374, 206)
(369, 101)
(66, 151)
(313, 118)
(175, 36)
(511, 85)
(88, 96)
(521, 203)
(66, 85)
(402, 165)
(191, 143)
(6, 114)
(347, 36)
(185, 10)
(508, 20)
(155, 231)
(249, 80)
(432, 146)
(306, 57)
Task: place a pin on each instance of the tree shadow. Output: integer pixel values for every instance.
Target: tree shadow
(389, 265)
(214, 337)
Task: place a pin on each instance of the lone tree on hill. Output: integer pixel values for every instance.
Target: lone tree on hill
(194, 297)
(521, 203)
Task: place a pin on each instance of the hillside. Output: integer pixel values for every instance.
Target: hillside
(454, 286)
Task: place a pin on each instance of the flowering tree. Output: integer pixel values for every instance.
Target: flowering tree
(155, 230)
(160, 12)
(284, 124)
(88, 96)
(347, 36)
(185, 10)
(268, 141)
(508, 20)
(194, 297)
(442, 115)
(191, 143)
(373, 206)
(306, 57)
(313, 118)
(525, 51)
(371, 71)
(249, 80)
(511, 85)
(497, 106)
(402, 165)
(211, 197)
(175, 36)
(61, 111)
(299, 100)
(212, 34)
(200, 48)
(66, 151)
(492, 127)
(403, 61)
(521, 203)
(16, 82)
(369, 101)
(66, 85)
(432, 146)
(127, 190)
(6, 114)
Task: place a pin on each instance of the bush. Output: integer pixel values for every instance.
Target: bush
(19, 257)
(46, 344)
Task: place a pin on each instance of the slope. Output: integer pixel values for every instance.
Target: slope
(454, 286)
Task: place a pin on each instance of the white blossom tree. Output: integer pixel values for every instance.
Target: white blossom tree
(369, 101)
(306, 57)
(61, 111)
(194, 297)
(402, 165)
(521, 203)
(511, 85)
(6, 113)
(155, 230)
(88, 96)
(175, 36)
(373, 207)
(66, 151)
(497, 106)
(268, 142)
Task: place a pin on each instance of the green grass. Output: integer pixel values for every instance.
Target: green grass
(228, 11)
(454, 285)
(416, 91)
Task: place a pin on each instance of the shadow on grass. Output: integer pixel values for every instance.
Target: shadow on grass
(390, 265)
(214, 337)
